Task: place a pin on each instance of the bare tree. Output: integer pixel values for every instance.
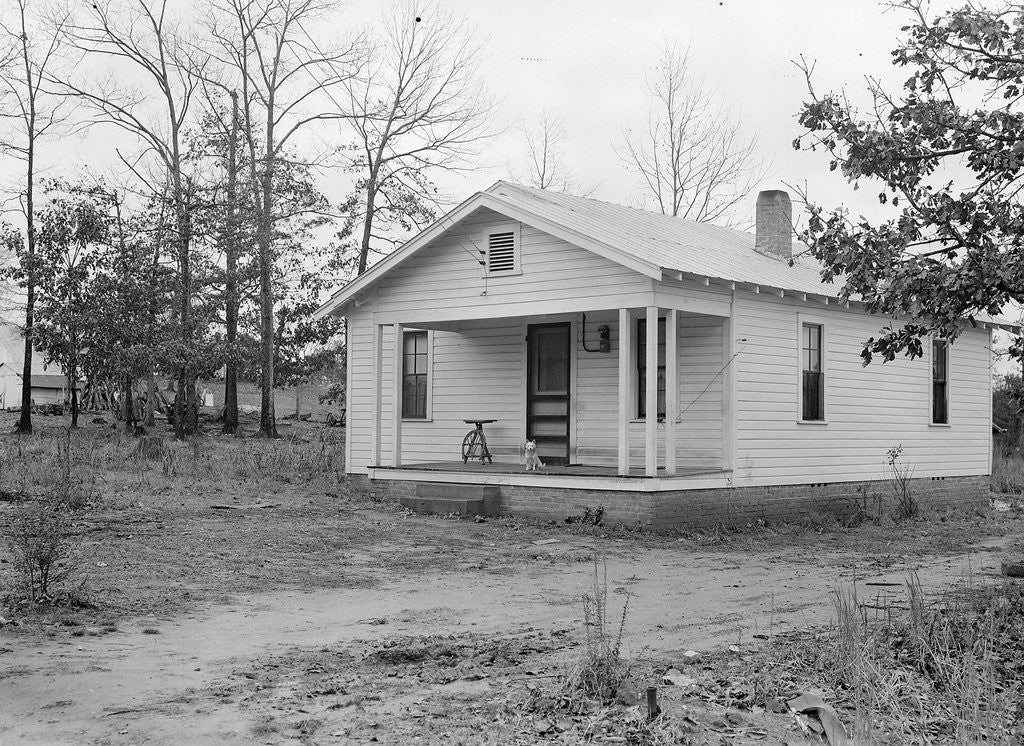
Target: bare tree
(693, 159)
(29, 50)
(156, 109)
(545, 161)
(287, 80)
(418, 109)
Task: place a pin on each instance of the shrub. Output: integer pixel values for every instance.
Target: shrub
(41, 546)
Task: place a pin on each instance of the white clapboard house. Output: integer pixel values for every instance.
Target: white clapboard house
(670, 371)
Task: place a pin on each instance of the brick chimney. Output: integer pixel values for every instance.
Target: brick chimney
(774, 224)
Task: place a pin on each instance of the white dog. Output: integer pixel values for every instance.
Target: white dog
(532, 459)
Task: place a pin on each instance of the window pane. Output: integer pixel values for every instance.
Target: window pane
(813, 396)
(940, 378)
(551, 361)
(940, 414)
(414, 374)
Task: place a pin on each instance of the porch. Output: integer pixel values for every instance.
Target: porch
(573, 380)
(577, 476)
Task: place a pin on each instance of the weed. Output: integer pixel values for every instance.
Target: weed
(589, 517)
(906, 505)
(601, 670)
(924, 672)
(1008, 473)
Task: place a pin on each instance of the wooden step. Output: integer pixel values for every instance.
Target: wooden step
(464, 499)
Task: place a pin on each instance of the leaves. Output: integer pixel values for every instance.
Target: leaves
(950, 249)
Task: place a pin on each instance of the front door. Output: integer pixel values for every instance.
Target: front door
(547, 393)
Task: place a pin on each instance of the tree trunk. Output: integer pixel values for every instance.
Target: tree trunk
(231, 289)
(25, 416)
(150, 418)
(128, 407)
(73, 383)
(364, 244)
(268, 420)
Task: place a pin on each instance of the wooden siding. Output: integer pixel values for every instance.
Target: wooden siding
(868, 410)
(447, 275)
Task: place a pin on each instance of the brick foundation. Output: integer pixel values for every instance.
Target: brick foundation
(709, 507)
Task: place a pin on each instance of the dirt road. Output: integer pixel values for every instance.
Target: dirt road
(136, 686)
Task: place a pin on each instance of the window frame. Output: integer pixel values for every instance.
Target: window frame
(805, 320)
(932, 381)
(639, 352)
(428, 413)
(515, 229)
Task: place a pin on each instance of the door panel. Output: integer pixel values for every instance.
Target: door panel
(547, 396)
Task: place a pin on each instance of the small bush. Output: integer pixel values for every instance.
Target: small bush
(41, 547)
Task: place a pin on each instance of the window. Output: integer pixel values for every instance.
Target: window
(940, 382)
(502, 244)
(812, 375)
(641, 366)
(415, 372)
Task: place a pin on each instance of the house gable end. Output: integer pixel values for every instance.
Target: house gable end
(448, 225)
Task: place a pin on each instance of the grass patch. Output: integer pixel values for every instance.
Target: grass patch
(916, 670)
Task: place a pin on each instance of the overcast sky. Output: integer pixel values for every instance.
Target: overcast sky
(586, 62)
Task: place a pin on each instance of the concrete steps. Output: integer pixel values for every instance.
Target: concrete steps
(464, 499)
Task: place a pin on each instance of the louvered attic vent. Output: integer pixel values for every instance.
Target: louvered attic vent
(501, 252)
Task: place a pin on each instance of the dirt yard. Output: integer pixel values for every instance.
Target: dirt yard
(325, 617)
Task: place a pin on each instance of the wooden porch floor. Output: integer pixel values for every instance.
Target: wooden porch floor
(510, 467)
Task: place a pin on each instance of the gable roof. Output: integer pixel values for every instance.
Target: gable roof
(647, 242)
(672, 244)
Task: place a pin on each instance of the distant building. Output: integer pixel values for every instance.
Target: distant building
(49, 386)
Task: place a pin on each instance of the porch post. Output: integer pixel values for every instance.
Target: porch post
(625, 350)
(376, 384)
(396, 396)
(651, 395)
(729, 389)
(671, 390)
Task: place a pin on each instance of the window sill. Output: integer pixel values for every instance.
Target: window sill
(812, 422)
(939, 424)
(417, 419)
(643, 421)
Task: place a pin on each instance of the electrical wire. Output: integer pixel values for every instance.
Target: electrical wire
(679, 417)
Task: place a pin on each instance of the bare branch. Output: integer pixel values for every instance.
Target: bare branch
(692, 159)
